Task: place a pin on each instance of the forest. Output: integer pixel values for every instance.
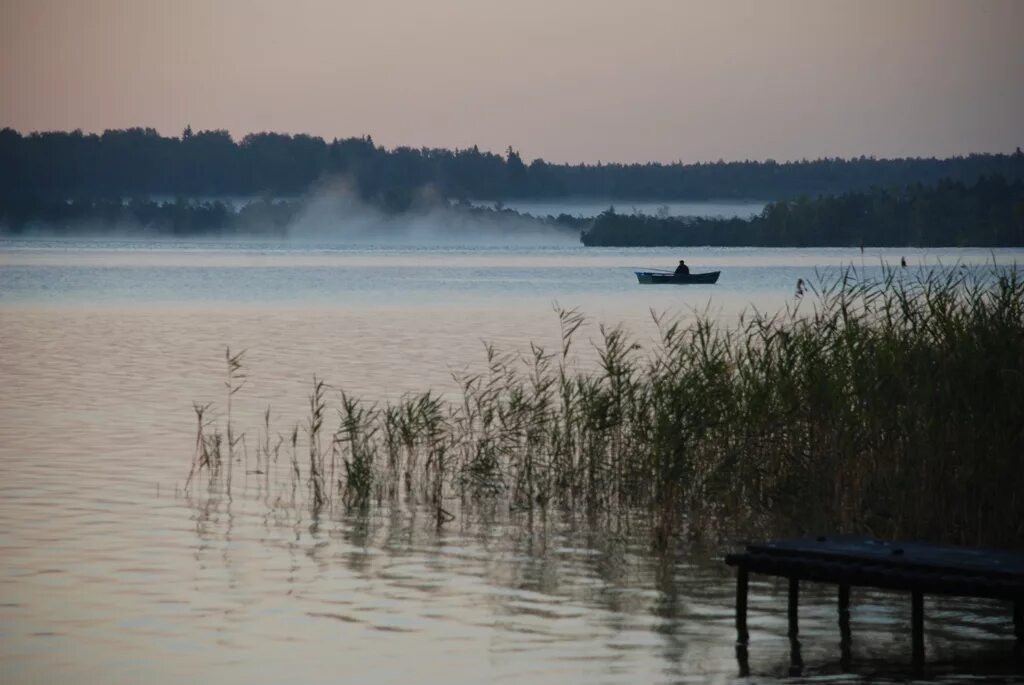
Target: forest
(267, 218)
(986, 213)
(206, 183)
(142, 163)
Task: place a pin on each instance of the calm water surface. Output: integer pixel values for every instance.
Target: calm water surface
(110, 573)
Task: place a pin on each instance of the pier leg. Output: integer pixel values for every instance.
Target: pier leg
(1018, 621)
(845, 637)
(742, 636)
(742, 659)
(794, 601)
(1018, 629)
(917, 628)
(796, 661)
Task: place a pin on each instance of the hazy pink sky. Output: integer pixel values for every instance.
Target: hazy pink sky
(582, 80)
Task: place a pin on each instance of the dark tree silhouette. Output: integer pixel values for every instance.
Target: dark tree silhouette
(988, 213)
(140, 162)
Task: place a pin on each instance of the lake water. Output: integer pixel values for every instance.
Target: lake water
(111, 573)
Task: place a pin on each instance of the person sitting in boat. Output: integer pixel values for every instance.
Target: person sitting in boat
(682, 269)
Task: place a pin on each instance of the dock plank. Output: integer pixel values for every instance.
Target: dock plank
(900, 554)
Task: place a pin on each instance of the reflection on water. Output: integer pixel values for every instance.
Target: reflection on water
(110, 572)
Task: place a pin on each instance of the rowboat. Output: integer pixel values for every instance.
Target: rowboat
(654, 278)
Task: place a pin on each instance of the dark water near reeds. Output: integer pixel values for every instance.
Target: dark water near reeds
(110, 573)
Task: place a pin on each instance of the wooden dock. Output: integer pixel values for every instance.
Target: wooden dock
(854, 560)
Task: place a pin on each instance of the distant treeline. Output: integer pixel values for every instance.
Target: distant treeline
(28, 214)
(139, 162)
(987, 213)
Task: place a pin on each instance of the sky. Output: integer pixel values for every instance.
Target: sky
(566, 80)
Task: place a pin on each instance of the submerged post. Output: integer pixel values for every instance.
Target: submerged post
(845, 637)
(1018, 628)
(742, 636)
(1018, 621)
(794, 601)
(917, 627)
(844, 609)
(796, 661)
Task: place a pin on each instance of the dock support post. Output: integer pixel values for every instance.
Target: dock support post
(917, 628)
(796, 659)
(1018, 620)
(845, 637)
(794, 601)
(844, 610)
(742, 636)
(1018, 628)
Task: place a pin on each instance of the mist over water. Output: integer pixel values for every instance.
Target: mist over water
(330, 213)
(335, 214)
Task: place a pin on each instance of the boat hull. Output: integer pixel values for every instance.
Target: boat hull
(654, 278)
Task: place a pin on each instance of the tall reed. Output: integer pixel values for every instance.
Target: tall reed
(892, 406)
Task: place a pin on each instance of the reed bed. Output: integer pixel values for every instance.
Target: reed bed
(892, 406)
